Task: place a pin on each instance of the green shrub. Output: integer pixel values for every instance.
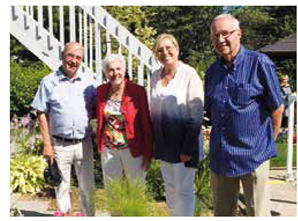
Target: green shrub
(154, 181)
(26, 173)
(128, 198)
(203, 193)
(24, 82)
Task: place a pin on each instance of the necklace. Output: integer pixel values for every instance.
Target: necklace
(117, 91)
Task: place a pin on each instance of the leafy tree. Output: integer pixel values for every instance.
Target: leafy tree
(264, 25)
(191, 26)
(135, 20)
(24, 81)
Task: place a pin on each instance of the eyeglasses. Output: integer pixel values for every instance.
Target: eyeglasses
(167, 48)
(224, 34)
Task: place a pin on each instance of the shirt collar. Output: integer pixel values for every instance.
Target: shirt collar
(236, 60)
(62, 77)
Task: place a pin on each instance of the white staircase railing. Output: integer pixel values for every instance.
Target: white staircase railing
(45, 29)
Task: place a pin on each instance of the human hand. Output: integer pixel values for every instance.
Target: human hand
(48, 152)
(146, 163)
(185, 158)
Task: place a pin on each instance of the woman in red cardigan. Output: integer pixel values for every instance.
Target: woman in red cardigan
(124, 134)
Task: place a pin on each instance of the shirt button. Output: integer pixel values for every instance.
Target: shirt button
(224, 101)
(226, 87)
(222, 115)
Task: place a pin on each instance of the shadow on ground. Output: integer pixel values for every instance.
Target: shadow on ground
(33, 213)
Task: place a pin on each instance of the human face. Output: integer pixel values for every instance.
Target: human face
(167, 52)
(72, 59)
(115, 73)
(225, 38)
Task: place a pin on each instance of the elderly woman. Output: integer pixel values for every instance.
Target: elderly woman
(177, 113)
(124, 127)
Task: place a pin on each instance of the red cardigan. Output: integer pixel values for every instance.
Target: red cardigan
(135, 111)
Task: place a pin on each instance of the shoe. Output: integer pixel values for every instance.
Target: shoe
(58, 213)
(79, 214)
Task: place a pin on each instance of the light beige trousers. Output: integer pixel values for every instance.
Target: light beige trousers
(256, 193)
(81, 155)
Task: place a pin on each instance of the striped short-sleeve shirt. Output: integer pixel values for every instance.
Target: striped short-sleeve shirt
(239, 100)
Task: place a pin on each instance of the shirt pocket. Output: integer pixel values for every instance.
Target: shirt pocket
(242, 93)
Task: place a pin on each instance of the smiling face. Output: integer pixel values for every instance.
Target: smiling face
(72, 58)
(225, 37)
(115, 73)
(167, 52)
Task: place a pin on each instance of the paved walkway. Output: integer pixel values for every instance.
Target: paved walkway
(283, 194)
(283, 198)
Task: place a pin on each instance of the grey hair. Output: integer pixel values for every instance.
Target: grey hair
(110, 58)
(229, 16)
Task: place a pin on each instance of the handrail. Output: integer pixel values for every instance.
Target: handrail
(96, 30)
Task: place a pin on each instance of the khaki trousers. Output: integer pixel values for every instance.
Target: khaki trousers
(81, 155)
(256, 193)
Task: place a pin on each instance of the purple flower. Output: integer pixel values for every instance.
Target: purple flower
(25, 120)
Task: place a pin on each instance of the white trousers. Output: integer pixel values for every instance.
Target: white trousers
(116, 162)
(179, 183)
(81, 155)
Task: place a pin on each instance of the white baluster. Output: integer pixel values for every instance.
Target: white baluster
(50, 14)
(108, 43)
(80, 26)
(85, 39)
(40, 16)
(140, 73)
(61, 25)
(98, 58)
(27, 9)
(31, 11)
(90, 45)
(129, 64)
(72, 22)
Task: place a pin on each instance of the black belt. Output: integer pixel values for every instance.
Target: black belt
(73, 140)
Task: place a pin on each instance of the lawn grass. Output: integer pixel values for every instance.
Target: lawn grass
(281, 159)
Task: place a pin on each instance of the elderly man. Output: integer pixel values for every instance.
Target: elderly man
(242, 98)
(65, 102)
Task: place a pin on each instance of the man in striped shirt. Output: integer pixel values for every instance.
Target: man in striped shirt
(242, 99)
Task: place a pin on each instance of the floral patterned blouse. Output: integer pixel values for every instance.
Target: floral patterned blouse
(114, 132)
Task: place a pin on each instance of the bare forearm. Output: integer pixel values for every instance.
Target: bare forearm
(44, 131)
(44, 128)
(276, 116)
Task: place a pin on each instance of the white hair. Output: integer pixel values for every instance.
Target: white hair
(110, 58)
(228, 16)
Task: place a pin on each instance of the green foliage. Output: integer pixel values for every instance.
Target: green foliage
(24, 81)
(191, 27)
(287, 66)
(26, 173)
(281, 159)
(135, 20)
(154, 181)
(203, 194)
(128, 198)
(263, 25)
(15, 212)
